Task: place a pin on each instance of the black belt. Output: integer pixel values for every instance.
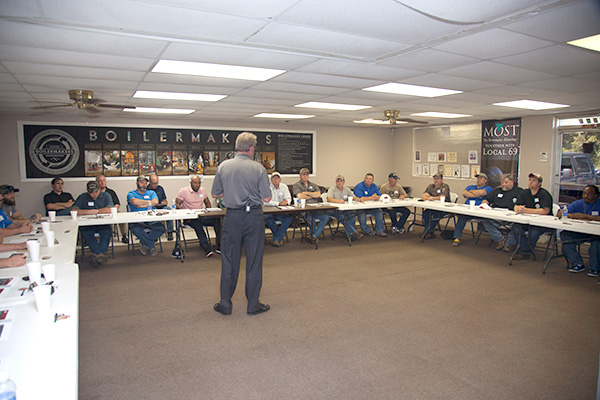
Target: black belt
(244, 208)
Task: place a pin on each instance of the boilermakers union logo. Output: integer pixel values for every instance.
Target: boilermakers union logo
(54, 152)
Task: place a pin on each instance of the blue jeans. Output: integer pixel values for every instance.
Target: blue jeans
(571, 253)
(430, 220)
(317, 229)
(527, 243)
(362, 220)
(491, 226)
(278, 231)
(97, 246)
(348, 219)
(148, 232)
(404, 214)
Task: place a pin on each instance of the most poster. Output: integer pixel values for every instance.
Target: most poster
(500, 144)
(80, 151)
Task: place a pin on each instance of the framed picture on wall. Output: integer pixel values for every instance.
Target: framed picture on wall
(473, 159)
(426, 170)
(441, 157)
(474, 170)
(418, 169)
(418, 155)
(431, 157)
(465, 171)
(452, 157)
(456, 170)
(448, 170)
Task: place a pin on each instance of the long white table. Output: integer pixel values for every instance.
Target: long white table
(40, 355)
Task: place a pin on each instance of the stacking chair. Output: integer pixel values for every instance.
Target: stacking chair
(448, 216)
(131, 243)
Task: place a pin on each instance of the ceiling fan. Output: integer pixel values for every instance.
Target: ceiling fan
(394, 117)
(84, 100)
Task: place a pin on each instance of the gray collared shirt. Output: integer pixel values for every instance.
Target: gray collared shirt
(242, 181)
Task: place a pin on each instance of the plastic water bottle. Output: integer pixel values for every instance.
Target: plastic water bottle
(173, 206)
(564, 213)
(8, 389)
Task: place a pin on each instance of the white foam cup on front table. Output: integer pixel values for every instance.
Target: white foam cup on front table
(74, 214)
(49, 272)
(113, 212)
(302, 203)
(49, 238)
(442, 199)
(472, 204)
(45, 226)
(33, 247)
(34, 269)
(52, 215)
(350, 199)
(42, 298)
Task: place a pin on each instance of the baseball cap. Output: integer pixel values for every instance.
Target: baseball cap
(304, 171)
(393, 175)
(536, 176)
(340, 177)
(5, 189)
(438, 175)
(275, 174)
(141, 178)
(482, 175)
(92, 186)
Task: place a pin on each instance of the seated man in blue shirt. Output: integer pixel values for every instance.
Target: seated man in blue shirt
(95, 202)
(364, 191)
(474, 193)
(147, 232)
(587, 209)
(9, 228)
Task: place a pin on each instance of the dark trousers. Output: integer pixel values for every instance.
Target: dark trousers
(199, 228)
(242, 229)
(97, 246)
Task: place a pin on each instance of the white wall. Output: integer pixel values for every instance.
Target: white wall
(348, 151)
(536, 136)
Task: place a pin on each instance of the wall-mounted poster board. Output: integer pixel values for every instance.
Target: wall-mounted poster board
(450, 150)
(86, 151)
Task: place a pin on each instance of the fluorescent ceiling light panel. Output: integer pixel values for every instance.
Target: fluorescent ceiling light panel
(159, 110)
(216, 70)
(283, 116)
(591, 42)
(144, 94)
(530, 104)
(440, 115)
(332, 106)
(411, 90)
(376, 121)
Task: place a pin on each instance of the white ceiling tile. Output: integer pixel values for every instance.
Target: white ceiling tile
(575, 20)
(441, 81)
(298, 88)
(556, 60)
(321, 42)
(358, 69)
(566, 85)
(264, 9)
(239, 55)
(492, 43)
(47, 56)
(429, 60)
(134, 17)
(21, 68)
(325, 80)
(28, 35)
(73, 83)
(7, 78)
(498, 73)
(20, 8)
(381, 19)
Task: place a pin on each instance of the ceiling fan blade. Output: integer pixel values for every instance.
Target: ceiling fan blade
(412, 121)
(91, 110)
(104, 105)
(52, 106)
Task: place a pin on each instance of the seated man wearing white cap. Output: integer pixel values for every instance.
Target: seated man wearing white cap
(340, 194)
(147, 232)
(280, 196)
(95, 202)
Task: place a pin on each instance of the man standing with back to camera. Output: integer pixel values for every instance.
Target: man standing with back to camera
(244, 185)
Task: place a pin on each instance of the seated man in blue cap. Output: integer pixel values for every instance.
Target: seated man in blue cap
(143, 199)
